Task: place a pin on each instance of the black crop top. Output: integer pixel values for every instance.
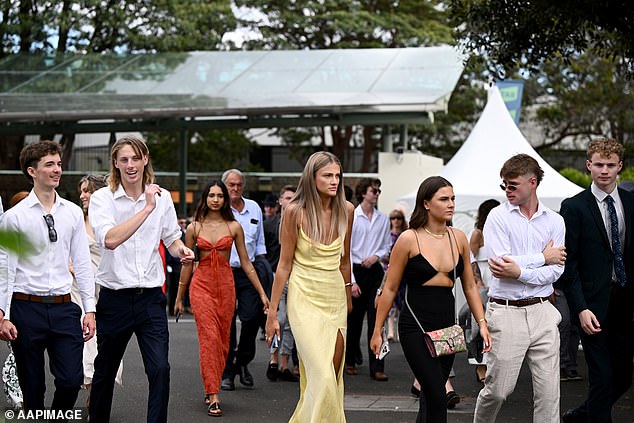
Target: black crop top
(418, 270)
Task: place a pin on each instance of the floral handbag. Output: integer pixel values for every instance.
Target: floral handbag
(12, 389)
(445, 341)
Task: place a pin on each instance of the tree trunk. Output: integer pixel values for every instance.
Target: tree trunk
(64, 27)
(369, 149)
(67, 142)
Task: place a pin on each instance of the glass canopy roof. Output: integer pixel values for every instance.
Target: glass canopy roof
(208, 84)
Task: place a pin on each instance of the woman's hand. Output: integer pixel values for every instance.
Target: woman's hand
(272, 327)
(178, 307)
(265, 301)
(486, 337)
(376, 342)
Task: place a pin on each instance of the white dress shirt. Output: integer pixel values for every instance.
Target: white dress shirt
(507, 232)
(45, 269)
(250, 218)
(136, 263)
(369, 237)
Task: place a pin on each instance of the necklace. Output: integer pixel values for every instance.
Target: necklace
(437, 236)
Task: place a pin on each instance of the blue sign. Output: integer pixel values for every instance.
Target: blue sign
(512, 91)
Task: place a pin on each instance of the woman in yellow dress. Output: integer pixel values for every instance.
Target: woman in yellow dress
(315, 255)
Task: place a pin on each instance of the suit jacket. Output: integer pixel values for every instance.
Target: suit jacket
(587, 278)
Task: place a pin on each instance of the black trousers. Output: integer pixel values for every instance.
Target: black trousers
(369, 280)
(609, 355)
(57, 329)
(248, 309)
(434, 308)
(120, 314)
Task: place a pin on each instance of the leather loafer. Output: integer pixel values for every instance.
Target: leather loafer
(452, 400)
(272, 372)
(379, 376)
(287, 376)
(246, 378)
(227, 384)
(351, 370)
(573, 416)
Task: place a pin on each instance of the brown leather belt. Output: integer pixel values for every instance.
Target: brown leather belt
(45, 299)
(519, 303)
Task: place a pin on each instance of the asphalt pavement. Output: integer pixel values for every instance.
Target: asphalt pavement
(366, 400)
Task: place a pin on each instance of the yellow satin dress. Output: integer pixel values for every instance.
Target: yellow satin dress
(317, 311)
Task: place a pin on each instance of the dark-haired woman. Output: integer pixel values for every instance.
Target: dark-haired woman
(425, 258)
(476, 242)
(212, 293)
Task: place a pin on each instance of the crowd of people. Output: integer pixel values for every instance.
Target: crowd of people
(307, 268)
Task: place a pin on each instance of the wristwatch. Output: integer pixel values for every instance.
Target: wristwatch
(379, 292)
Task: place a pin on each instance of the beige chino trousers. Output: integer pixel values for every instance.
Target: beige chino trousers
(522, 332)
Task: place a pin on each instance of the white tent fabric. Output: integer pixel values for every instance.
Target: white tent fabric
(474, 171)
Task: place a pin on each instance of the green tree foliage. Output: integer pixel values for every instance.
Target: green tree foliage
(320, 24)
(96, 26)
(528, 32)
(112, 25)
(208, 151)
(576, 176)
(582, 100)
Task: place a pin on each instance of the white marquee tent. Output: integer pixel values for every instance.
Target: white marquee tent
(474, 171)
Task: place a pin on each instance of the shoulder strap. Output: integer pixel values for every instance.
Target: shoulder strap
(455, 264)
(410, 309)
(453, 259)
(417, 243)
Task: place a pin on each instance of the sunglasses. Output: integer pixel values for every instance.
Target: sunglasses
(510, 187)
(396, 218)
(375, 190)
(50, 222)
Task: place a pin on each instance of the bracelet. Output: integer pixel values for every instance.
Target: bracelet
(482, 320)
(181, 283)
(347, 284)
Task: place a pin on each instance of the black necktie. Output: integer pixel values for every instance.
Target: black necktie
(619, 267)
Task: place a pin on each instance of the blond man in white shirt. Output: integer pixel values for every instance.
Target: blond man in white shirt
(129, 218)
(524, 240)
(36, 312)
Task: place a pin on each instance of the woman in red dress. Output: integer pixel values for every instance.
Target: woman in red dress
(212, 293)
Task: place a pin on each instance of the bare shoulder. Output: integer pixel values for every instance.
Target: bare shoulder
(349, 207)
(235, 227)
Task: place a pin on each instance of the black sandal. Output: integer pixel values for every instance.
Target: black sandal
(208, 400)
(214, 410)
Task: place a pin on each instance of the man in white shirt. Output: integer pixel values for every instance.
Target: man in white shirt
(249, 306)
(130, 217)
(36, 312)
(519, 237)
(369, 242)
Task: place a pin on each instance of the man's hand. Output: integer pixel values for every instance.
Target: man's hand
(88, 327)
(8, 332)
(589, 322)
(185, 254)
(369, 261)
(554, 255)
(150, 192)
(355, 290)
(504, 268)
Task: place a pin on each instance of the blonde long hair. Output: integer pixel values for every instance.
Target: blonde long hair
(140, 149)
(308, 200)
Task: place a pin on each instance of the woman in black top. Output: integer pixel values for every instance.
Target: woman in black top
(424, 258)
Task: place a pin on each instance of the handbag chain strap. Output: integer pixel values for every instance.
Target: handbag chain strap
(453, 259)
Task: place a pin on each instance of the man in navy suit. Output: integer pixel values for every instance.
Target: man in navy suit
(598, 280)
